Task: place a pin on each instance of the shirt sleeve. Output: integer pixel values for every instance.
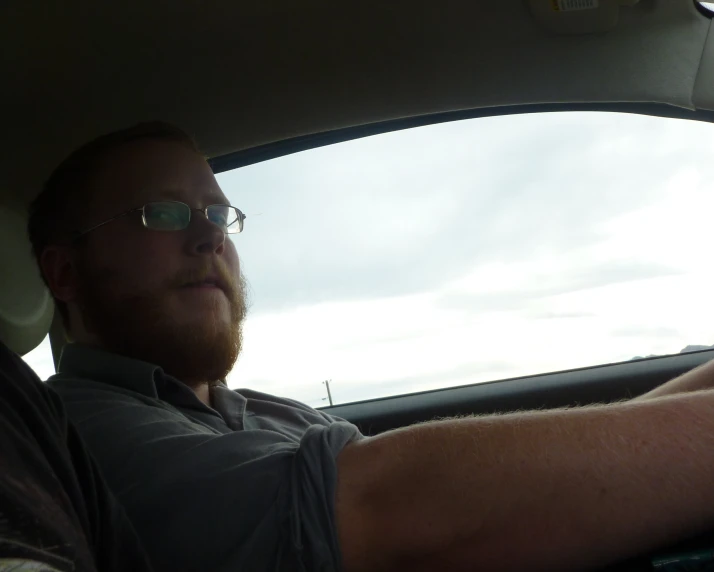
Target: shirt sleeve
(204, 500)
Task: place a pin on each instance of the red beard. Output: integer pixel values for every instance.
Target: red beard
(137, 326)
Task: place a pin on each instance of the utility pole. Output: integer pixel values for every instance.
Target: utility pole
(329, 395)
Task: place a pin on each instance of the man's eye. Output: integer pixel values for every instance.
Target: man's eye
(219, 219)
(163, 217)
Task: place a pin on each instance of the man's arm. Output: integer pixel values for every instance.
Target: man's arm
(549, 490)
(697, 379)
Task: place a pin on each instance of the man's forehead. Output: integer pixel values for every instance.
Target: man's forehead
(205, 196)
(149, 170)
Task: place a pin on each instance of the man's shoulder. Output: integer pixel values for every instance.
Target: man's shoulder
(255, 395)
(260, 401)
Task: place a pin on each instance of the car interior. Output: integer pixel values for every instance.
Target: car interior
(256, 81)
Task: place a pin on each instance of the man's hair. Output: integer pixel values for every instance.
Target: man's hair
(57, 214)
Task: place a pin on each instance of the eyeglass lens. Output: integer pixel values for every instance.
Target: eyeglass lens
(169, 215)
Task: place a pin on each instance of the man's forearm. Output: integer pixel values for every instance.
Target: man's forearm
(544, 490)
(697, 379)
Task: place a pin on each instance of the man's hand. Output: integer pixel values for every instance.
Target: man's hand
(548, 490)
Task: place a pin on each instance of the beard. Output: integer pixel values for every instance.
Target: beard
(139, 325)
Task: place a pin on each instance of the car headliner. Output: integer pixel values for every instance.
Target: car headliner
(238, 75)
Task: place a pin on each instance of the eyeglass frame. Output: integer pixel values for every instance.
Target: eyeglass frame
(241, 217)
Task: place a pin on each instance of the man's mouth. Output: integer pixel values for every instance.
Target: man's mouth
(207, 283)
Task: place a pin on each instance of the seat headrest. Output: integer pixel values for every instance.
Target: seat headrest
(26, 307)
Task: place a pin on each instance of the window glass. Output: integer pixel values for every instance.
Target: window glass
(708, 5)
(40, 359)
(473, 251)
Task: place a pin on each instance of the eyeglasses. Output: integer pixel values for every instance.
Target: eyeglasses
(173, 215)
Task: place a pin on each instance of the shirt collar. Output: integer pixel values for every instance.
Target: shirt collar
(99, 365)
(147, 379)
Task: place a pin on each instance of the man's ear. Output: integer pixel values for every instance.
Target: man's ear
(58, 266)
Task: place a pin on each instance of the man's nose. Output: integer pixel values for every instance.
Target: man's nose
(206, 237)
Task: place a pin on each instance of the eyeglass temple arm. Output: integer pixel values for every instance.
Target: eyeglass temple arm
(95, 227)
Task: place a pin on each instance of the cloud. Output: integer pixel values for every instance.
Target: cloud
(315, 393)
(559, 315)
(449, 377)
(479, 293)
(639, 332)
(407, 212)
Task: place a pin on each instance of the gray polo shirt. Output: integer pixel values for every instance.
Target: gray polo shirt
(248, 484)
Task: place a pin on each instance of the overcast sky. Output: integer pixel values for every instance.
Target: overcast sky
(473, 251)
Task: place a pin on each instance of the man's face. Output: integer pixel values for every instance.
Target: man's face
(174, 298)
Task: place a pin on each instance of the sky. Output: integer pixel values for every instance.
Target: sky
(473, 251)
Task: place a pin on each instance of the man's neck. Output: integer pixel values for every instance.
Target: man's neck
(203, 392)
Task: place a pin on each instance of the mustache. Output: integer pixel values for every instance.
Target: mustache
(234, 287)
(227, 282)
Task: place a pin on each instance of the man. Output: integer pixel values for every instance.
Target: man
(151, 291)
(56, 512)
